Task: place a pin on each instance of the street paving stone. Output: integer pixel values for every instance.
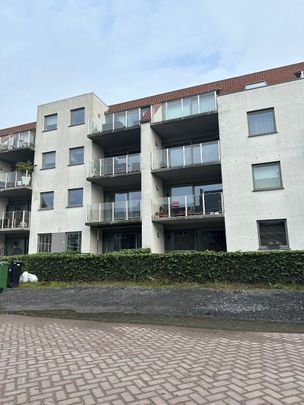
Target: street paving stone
(51, 361)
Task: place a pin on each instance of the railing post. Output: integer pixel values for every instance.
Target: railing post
(182, 105)
(186, 206)
(2, 224)
(23, 219)
(169, 207)
(113, 208)
(5, 183)
(201, 153)
(16, 177)
(198, 104)
(203, 203)
(127, 163)
(184, 156)
(126, 119)
(99, 212)
(167, 154)
(13, 219)
(113, 165)
(127, 210)
(99, 167)
(222, 202)
(219, 150)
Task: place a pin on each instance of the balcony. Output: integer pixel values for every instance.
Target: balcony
(200, 160)
(119, 212)
(15, 221)
(193, 116)
(116, 171)
(18, 146)
(15, 184)
(204, 208)
(118, 129)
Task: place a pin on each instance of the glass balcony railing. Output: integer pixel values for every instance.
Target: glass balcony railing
(114, 211)
(115, 165)
(15, 220)
(210, 203)
(25, 139)
(184, 107)
(182, 156)
(14, 179)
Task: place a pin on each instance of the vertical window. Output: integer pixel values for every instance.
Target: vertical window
(77, 116)
(50, 122)
(45, 243)
(75, 197)
(48, 160)
(76, 156)
(267, 176)
(273, 234)
(261, 122)
(73, 241)
(47, 200)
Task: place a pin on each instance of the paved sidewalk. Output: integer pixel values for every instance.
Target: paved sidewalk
(50, 361)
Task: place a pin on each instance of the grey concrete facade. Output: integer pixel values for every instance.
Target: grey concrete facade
(166, 182)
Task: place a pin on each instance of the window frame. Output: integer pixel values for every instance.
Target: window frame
(79, 241)
(76, 164)
(51, 129)
(71, 113)
(281, 247)
(76, 205)
(48, 168)
(46, 208)
(255, 112)
(49, 244)
(267, 188)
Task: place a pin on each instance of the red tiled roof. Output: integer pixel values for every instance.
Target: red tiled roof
(18, 128)
(228, 86)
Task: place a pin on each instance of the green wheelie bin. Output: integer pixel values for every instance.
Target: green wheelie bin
(3, 275)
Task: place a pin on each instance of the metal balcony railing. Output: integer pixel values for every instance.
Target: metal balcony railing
(188, 155)
(15, 220)
(14, 179)
(25, 139)
(184, 107)
(114, 165)
(114, 211)
(210, 203)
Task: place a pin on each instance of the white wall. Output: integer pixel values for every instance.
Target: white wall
(243, 207)
(64, 177)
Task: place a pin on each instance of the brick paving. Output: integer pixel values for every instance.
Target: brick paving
(51, 361)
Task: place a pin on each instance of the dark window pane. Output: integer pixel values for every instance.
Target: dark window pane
(45, 243)
(76, 156)
(273, 234)
(50, 122)
(261, 122)
(47, 200)
(77, 116)
(73, 241)
(48, 160)
(75, 197)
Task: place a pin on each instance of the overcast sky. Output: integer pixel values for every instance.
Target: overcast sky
(124, 49)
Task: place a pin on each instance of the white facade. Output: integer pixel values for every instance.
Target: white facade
(198, 194)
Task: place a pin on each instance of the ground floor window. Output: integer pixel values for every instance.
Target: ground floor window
(73, 241)
(115, 241)
(15, 246)
(195, 239)
(45, 243)
(273, 234)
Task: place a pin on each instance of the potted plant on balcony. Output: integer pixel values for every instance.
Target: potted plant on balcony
(27, 168)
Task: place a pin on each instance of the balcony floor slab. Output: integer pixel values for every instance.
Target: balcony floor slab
(191, 219)
(17, 155)
(113, 141)
(209, 172)
(111, 224)
(117, 180)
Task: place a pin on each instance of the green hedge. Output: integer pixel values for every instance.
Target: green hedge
(244, 267)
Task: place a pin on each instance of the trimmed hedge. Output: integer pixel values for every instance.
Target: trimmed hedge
(283, 267)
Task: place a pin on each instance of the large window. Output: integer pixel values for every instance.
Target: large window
(75, 197)
(47, 200)
(76, 156)
(267, 176)
(45, 243)
(273, 234)
(261, 122)
(50, 122)
(48, 160)
(73, 241)
(77, 116)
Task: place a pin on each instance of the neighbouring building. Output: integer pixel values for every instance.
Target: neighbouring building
(210, 167)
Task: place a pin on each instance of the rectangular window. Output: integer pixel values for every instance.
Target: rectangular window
(73, 241)
(256, 85)
(267, 176)
(75, 197)
(45, 243)
(261, 122)
(47, 200)
(50, 122)
(76, 156)
(273, 234)
(48, 160)
(77, 116)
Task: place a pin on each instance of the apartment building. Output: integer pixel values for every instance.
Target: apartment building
(211, 167)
